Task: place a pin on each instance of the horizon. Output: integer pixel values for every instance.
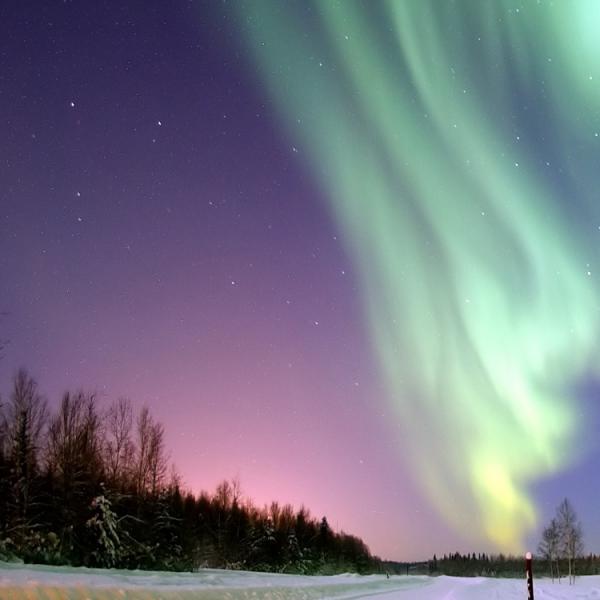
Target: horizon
(347, 253)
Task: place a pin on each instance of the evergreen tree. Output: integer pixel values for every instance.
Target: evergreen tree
(106, 549)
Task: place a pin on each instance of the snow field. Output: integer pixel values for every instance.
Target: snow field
(19, 582)
(29, 582)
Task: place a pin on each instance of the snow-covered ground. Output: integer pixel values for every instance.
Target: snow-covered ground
(39, 582)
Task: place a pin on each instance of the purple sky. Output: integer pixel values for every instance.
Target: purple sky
(160, 239)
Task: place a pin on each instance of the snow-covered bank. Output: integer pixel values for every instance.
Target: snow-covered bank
(27, 581)
(40, 582)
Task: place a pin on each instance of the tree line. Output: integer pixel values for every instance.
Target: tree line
(500, 565)
(93, 487)
(560, 551)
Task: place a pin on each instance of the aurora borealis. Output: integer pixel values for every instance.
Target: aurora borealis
(477, 287)
(346, 251)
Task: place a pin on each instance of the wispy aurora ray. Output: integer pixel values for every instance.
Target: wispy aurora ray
(476, 290)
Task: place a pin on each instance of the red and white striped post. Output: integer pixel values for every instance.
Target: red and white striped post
(529, 574)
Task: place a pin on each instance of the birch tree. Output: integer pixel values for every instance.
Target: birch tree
(571, 535)
(549, 547)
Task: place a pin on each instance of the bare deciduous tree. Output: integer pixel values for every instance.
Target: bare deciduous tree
(571, 535)
(157, 458)
(549, 547)
(74, 455)
(118, 447)
(151, 462)
(25, 420)
(3, 342)
(74, 436)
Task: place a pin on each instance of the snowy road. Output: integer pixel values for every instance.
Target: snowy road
(19, 582)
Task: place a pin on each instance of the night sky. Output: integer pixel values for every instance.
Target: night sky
(345, 251)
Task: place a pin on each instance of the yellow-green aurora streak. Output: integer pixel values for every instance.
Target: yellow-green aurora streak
(479, 302)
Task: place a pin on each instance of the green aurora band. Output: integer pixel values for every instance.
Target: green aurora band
(480, 300)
